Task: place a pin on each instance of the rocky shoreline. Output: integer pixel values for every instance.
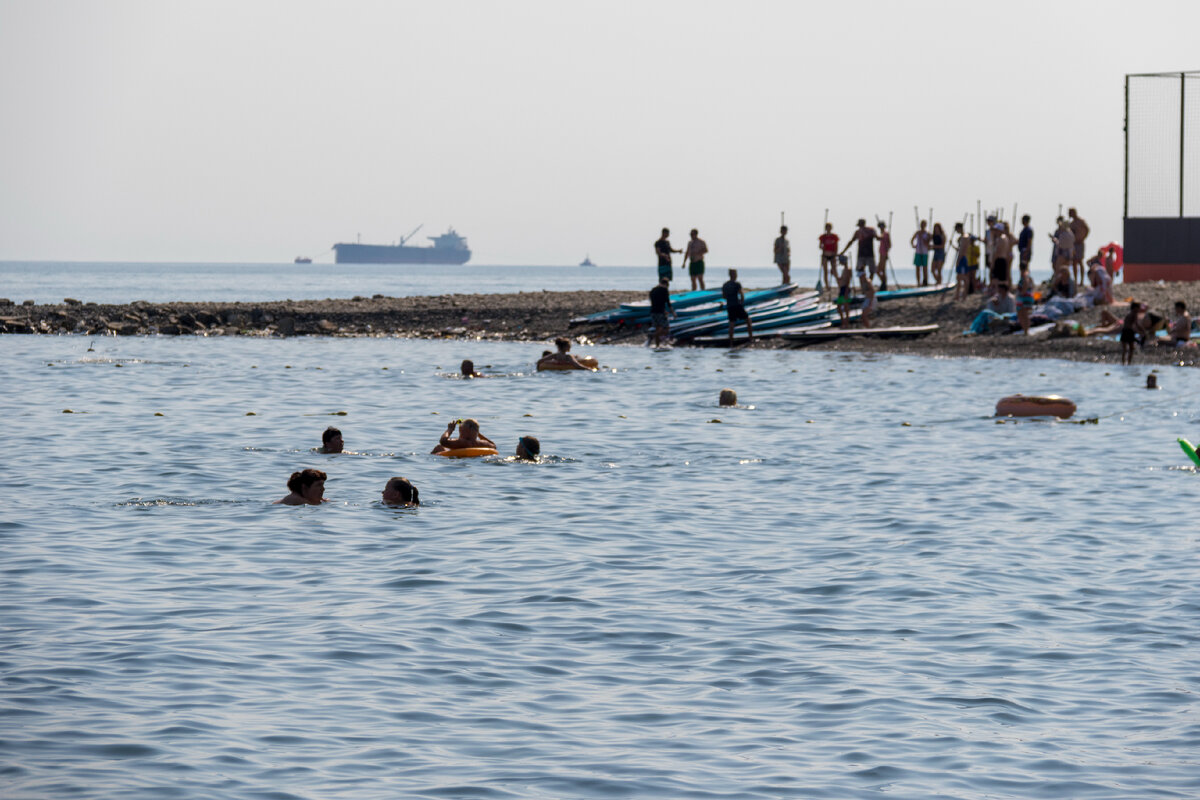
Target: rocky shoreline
(540, 316)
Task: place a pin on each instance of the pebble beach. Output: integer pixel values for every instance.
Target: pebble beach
(542, 315)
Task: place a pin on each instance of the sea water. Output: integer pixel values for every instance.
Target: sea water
(124, 282)
(856, 584)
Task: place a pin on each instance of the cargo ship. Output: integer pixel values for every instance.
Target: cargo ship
(449, 248)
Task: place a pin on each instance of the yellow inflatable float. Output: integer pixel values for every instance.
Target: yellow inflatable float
(469, 452)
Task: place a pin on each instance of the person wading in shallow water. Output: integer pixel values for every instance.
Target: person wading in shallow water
(735, 306)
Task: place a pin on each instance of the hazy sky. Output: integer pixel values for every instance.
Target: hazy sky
(175, 130)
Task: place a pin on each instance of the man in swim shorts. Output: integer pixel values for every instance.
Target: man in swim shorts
(663, 250)
(829, 255)
(660, 309)
(1025, 243)
(885, 246)
(920, 245)
(1080, 230)
(696, 249)
(1064, 246)
(865, 236)
(735, 305)
(783, 255)
(331, 440)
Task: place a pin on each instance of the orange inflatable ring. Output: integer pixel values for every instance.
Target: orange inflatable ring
(1020, 405)
(469, 452)
(1118, 255)
(587, 361)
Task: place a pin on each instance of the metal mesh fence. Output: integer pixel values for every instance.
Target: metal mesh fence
(1162, 145)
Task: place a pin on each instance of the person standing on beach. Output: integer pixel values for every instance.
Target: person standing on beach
(696, 250)
(829, 254)
(870, 302)
(865, 236)
(1025, 243)
(1002, 246)
(1064, 246)
(662, 249)
(962, 262)
(783, 255)
(920, 245)
(843, 299)
(735, 306)
(938, 241)
(1080, 230)
(885, 246)
(660, 308)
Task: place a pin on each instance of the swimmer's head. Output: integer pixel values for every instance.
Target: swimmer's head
(468, 367)
(728, 397)
(308, 483)
(469, 426)
(400, 491)
(562, 344)
(331, 440)
(528, 448)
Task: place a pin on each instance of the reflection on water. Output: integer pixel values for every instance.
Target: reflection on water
(863, 585)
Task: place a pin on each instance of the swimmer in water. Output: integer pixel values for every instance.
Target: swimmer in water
(562, 357)
(528, 448)
(468, 436)
(400, 492)
(468, 369)
(728, 397)
(307, 489)
(331, 441)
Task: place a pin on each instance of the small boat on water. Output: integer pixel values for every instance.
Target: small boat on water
(303, 260)
(587, 261)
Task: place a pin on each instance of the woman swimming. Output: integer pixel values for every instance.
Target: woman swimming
(400, 492)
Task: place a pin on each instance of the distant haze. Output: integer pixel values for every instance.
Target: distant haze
(545, 131)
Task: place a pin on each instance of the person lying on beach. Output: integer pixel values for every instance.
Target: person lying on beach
(331, 441)
(468, 436)
(400, 492)
(1179, 329)
(307, 488)
(468, 369)
(528, 448)
(563, 358)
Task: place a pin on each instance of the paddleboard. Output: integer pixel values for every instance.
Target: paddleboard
(1190, 450)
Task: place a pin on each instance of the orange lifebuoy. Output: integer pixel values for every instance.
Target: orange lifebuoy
(1118, 256)
(1020, 405)
(469, 452)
